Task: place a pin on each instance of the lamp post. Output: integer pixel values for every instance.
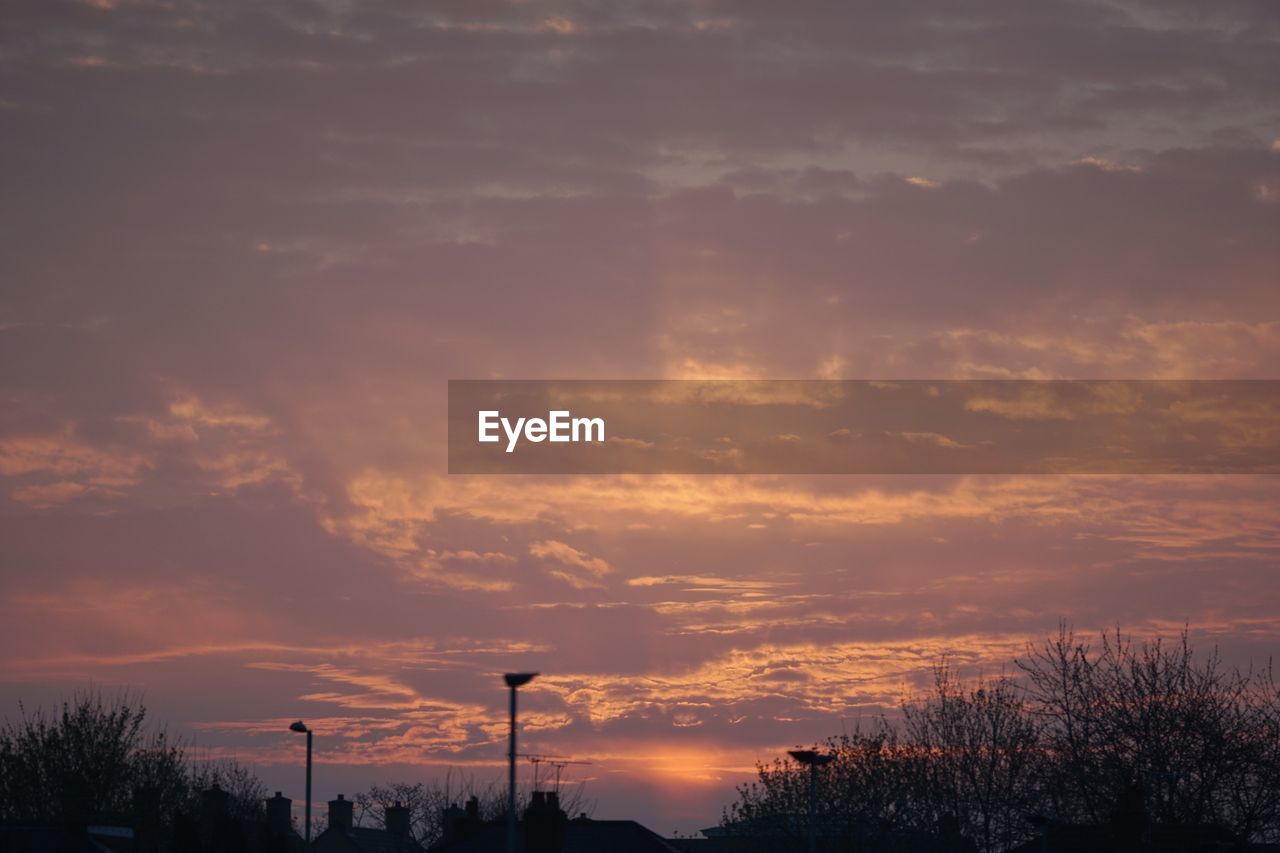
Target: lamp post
(813, 760)
(301, 728)
(513, 680)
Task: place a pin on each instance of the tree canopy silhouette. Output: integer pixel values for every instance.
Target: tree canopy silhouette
(96, 760)
(1084, 729)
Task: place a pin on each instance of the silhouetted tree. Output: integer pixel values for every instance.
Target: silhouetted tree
(1197, 738)
(427, 801)
(871, 786)
(1122, 732)
(976, 754)
(246, 792)
(425, 804)
(84, 762)
(95, 760)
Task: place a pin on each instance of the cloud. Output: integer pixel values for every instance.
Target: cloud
(933, 438)
(703, 582)
(70, 467)
(584, 572)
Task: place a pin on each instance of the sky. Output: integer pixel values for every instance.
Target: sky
(244, 246)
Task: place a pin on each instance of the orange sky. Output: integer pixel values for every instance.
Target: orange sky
(244, 250)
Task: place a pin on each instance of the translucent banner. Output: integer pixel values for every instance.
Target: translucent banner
(863, 427)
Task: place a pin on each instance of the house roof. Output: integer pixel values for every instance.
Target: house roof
(363, 839)
(1099, 838)
(581, 836)
(95, 839)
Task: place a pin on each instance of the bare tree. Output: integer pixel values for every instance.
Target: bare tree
(870, 785)
(1198, 738)
(1090, 733)
(427, 801)
(246, 792)
(977, 755)
(84, 761)
(96, 759)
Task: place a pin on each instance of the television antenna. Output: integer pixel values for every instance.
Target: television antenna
(559, 763)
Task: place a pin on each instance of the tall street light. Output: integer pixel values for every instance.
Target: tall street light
(514, 680)
(813, 760)
(301, 728)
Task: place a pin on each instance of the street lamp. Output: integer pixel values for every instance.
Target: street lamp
(513, 680)
(301, 728)
(813, 760)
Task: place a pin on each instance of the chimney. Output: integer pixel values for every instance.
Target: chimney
(458, 824)
(340, 814)
(397, 820)
(214, 807)
(279, 812)
(451, 821)
(215, 801)
(544, 824)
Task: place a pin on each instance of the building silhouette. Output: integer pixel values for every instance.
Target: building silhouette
(343, 836)
(545, 828)
(1130, 829)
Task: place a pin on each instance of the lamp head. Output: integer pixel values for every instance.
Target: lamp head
(299, 727)
(518, 679)
(811, 758)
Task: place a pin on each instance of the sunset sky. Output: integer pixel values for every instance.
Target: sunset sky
(245, 245)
